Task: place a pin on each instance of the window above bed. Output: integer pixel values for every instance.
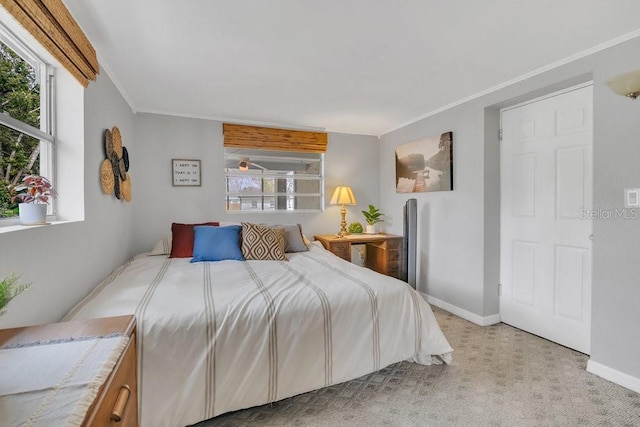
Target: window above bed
(276, 181)
(273, 170)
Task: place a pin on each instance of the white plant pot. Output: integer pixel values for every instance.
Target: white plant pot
(33, 213)
(371, 229)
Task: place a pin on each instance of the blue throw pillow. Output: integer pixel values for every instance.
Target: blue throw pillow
(217, 243)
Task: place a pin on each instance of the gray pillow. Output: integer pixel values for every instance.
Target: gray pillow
(294, 241)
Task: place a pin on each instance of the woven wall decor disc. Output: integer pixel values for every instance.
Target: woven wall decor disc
(108, 144)
(125, 158)
(117, 141)
(126, 188)
(106, 177)
(117, 188)
(122, 169)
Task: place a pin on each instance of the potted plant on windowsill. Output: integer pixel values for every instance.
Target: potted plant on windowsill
(35, 193)
(372, 216)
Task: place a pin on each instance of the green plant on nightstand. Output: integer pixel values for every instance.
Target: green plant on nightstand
(9, 289)
(372, 216)
(355, 228)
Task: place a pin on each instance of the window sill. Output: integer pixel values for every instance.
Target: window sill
(12, 226)
(281, 211)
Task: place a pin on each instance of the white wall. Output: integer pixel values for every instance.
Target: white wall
(615, 337)
(350, 160)
(459, 230)
(452, 271)
(65, 261)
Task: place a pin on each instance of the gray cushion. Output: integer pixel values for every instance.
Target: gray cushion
(294, 241)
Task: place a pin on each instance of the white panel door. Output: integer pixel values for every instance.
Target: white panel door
(546, 186)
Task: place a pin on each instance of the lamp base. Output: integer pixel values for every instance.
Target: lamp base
(343, 224)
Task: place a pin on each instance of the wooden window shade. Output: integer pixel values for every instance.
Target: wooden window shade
(240, 136)
(52, 25)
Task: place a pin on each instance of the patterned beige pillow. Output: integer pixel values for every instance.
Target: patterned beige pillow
(263, 243)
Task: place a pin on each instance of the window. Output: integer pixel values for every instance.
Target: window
(26, 134)
(273, 181)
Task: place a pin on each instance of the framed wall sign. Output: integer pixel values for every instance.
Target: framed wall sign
(186, 173)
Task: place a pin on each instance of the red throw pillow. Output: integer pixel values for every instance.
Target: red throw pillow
(182, 236)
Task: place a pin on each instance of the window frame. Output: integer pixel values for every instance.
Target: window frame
(232, 154)
(45, 73)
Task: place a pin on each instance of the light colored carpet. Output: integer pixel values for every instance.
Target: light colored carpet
(500, 376)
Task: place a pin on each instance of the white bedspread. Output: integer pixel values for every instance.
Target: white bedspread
(217, 337)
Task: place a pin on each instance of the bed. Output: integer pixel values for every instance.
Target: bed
(215, 337)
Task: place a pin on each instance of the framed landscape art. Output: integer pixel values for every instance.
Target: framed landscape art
(425, 165)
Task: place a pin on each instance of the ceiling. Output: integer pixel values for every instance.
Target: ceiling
(355, 66)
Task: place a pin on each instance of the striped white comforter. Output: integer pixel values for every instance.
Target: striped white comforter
(217, 337)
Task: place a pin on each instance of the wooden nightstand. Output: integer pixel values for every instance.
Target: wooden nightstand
(116, 403)
(384, 251)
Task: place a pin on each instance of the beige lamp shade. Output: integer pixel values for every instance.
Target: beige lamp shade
(626, 84)
(343, 196)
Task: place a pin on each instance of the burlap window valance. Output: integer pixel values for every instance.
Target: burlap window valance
(52, 25)
(254, 137)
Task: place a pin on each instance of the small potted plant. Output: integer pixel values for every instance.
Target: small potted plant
(34, 195)
(372, 216)
(355, 228)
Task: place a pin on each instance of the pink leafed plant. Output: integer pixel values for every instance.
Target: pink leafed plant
(35, 189)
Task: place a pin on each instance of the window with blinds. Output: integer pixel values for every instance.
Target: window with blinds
(273, 181)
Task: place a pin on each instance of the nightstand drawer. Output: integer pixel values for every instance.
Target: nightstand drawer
(394, 256)
(394, 245)
(341, 249)
(117, 405)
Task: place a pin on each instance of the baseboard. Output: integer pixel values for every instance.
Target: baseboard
(460, 312)
(617, 377)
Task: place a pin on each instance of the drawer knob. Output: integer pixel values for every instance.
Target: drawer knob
(121, 403)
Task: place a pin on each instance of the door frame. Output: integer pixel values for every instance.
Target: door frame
(546, 96)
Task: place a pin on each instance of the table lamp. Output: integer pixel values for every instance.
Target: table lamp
(343, 196)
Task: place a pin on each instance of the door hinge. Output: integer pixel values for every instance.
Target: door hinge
(499, 290)
(500, 134)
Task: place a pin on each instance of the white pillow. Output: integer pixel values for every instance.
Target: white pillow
(228, 223)
(163, 247)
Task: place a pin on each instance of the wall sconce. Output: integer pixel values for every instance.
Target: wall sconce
(626, 84)
(343, 196)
